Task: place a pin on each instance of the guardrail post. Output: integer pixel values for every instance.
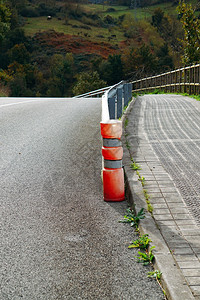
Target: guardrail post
(111, 105)
(112, 152)
(119, 102)
(129, 91)
(125, 94)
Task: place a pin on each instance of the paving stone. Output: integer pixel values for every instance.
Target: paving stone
(155, 195)
(190, 233)
(193, 280)
(172, 196)
(172, 235)
(172, 199)
(178, 243)
(181, 216)
(158, 211)
(147, 178)
(160, 178)
(179, 210)
(166, 223)
(155, 164)
(194, 241)
(196, 250)
(191, 272)
(166, 184)
(176, 204)
(158, 200)
(164, 175)
(185, 222)
(189, 265)
(169, 229)
(183, 251)
(195, 289)
(160, 206)
(153, 190)
(186, 257)
(163, 217)
(168, 190)
(150, 184)
(191, 228)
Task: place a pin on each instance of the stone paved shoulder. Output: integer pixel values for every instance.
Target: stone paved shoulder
(163, 135)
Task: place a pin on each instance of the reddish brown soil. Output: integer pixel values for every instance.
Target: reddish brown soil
(74, 44)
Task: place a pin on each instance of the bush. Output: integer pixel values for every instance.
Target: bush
(88, 82)
(18, 86)
(108, 20)
(47, 10)
(29, 12)
(89, 21)
(110, 9)
(4, 77)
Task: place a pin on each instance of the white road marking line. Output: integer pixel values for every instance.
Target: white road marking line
(10, 104)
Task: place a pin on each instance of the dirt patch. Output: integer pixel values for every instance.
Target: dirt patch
(74, 44)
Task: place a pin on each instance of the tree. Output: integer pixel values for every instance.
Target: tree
(168, 28)
(139, 62)
(19, 54)
(88, 82)
(111, 70)
(4, 20)
(18, 86)
(61, 74)
(165, 61)
(157, 17)
(191, 26)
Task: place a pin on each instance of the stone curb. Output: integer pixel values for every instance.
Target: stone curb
(172, 280)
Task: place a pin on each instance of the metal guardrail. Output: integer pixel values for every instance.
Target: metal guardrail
(94, 93)
(183, 80)
(115, 99)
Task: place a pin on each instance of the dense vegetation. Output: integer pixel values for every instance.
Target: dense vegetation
(81, 46)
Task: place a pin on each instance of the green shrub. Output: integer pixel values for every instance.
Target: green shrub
(29, 12)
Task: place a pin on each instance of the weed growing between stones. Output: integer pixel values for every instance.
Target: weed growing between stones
(142, 242)
(132, 218)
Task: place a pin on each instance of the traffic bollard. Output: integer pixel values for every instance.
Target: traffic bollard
(112, 152)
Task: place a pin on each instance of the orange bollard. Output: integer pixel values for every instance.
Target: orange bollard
(113, 184)
(112, 152)
(112, 129)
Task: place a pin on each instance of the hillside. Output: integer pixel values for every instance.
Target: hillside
(48, 56)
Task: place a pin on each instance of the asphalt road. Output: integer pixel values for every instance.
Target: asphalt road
(58, 238)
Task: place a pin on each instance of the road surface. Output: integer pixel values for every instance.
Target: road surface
(59, 239)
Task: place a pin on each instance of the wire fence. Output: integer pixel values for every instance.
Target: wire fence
(183, 80)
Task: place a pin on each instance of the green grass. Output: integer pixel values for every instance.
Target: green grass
(141, 13)
(197, 97)
(34, 25)
(102, 9)
(158, 91)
